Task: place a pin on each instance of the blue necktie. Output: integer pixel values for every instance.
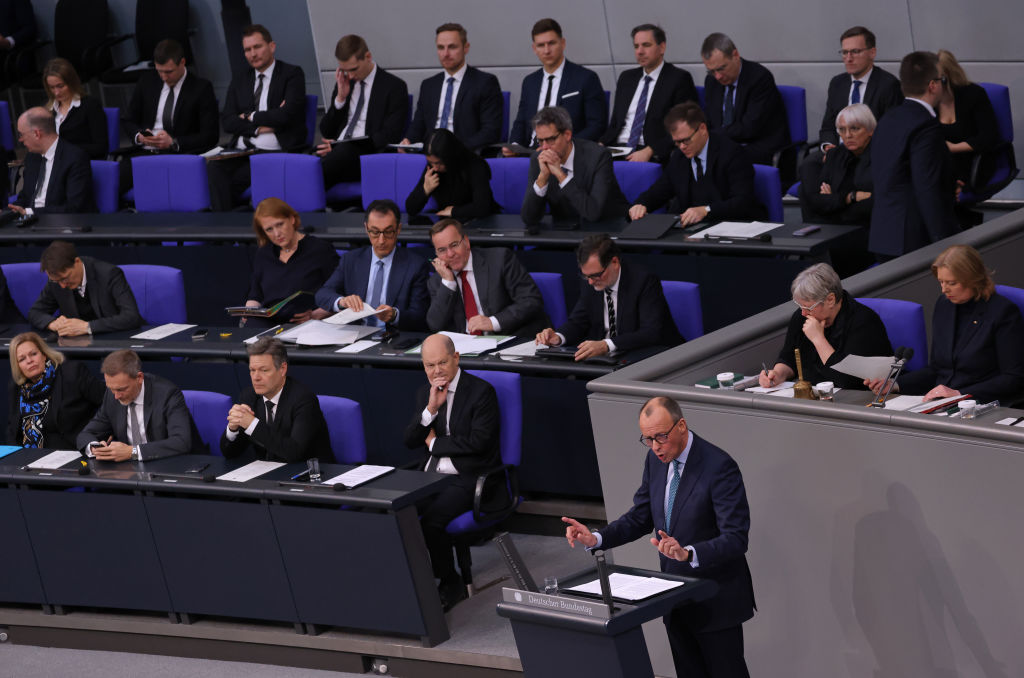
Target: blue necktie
(855, 97)
(641, 114)
(727, 106)
(357, 112)
(447, 109)
(376, 292)
(673, 487)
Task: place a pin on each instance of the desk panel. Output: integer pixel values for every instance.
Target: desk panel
(19, 575)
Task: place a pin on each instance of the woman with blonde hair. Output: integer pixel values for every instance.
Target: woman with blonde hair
(967, 117)
(80, 118)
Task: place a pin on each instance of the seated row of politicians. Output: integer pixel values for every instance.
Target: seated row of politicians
(944, 122)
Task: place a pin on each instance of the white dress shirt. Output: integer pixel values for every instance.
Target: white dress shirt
(567, 167)
(158, 124)
(58, 118)
(555, 85)
(264, 142)
(231, 435)
(863, 86)
(604, 304)
(360, 129)
(139, 400)
(627, 124)
(927, 105)
(40, 197)
(458, 75)
(444, 464)
(456, 286)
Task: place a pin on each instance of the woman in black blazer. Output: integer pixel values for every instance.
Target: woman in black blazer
(50, 399)
(80, 118)
(977, 336)
(458, 179)
(839, 190)
(968, 120)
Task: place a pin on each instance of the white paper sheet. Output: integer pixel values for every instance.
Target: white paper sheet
(347, 315)
(526, 349)
(902, 402)
(250, 471)
(269, 332)
(772, 389)
(319, 333)
(358, 346)
(418, 146)
(737, 229)
(359, 475)
(628, 586)
(56, 459)
(161, 331)
(1009, 422)
(468, 343)
(865, 367)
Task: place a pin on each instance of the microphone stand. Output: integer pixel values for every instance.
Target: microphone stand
(902, 356)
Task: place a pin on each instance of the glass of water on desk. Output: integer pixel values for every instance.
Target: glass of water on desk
(551, 586)
(314, 469)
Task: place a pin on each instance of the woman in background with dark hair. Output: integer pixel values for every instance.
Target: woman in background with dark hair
(457, 178)
(80, 119)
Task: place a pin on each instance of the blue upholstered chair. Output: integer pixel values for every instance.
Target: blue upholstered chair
(684, 304)
(509, 177)
(1001, 161)
(635, 177)
(25, 282)
(170, 183)
(295, 178)
(113, 128)
(768, 190)
(700, 95)
(345, 428)
(795, 101)
(210, 412)
(510, 401)
(311, 102)
(391, 176)
(159, 291)
(904, 323)
(105, 183)
(1014, 294)
(550, 285)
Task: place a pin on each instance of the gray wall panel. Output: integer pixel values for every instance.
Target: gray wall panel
(987, 30)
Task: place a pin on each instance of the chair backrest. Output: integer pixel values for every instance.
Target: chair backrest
(795, 100)
(684, 304)
(509, 177)
(156, 20)
(1014, 294)
(700, 95)
(390, 176)
(6, 127)
(635, 177)
(113, 128)
(159, 291)
(105, 179)
(999, 95)
(506, 97)
(550, 285)
(78, 27)
(170, 183)
(768, 190)
(508, 387)
(210, 413)
(25, 282)
(295, 178)
(904, 323)
(345, 428)
(311, 102)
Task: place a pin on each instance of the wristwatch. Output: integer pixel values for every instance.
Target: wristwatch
(135, 453)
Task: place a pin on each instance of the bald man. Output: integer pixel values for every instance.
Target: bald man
(57, 175)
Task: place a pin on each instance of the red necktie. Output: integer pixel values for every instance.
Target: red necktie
(468, 301)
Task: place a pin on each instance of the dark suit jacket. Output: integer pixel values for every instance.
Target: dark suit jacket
(477, 108)
(506, 291)
(882, 93)
(109, 294)
(914, 193)
(466, 188)
(759, 116)
(9, 312)
(74, 397)
(298, 432)
(844, 172)
(473, 440)
(976, 124)
(579, 92)
(727, 187)
(86, 127)
(407, 285)
(642, 317)
(18, 21)
(674, 86)
(168, 423)
(986, 360)
(593, 194)
(286, 106)
(386, 112)
(711, 514)
(70, 187)
(194, 123)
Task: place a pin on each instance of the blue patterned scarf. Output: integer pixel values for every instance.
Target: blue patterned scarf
(34, 401)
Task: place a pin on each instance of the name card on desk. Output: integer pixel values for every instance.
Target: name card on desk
(577, 606)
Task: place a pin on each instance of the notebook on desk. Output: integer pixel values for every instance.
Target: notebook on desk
(651, 227)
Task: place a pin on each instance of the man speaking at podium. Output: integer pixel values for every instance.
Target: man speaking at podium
(700, 488)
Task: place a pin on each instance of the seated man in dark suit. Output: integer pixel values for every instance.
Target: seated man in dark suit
(456, 426)
(462, 99)
(57, 176)
(708, 175)
(644, 95)
(92, 295)
(367, 111)
(391, 279)
(574, 177)
(559, 82)
(862, 83)
(264, 110)
(277, 419)
(171, 110)
(620, 307)
(911, 167)
(142, 417)
(742, 101)
(481, 290)
(17, 24)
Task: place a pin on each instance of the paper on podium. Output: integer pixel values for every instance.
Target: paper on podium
(357, 347)
(56, 459)
(320, 333)
(359, 475)
(161, 331)
(629, 586)
(736, 229)
(469, 343)
(865, 367)
(527, 349)
(771, 389)
(250, 471)
(347, 315)
(1009, 421)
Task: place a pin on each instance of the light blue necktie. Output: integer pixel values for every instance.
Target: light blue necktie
(640, 116)
(673, 487)
(855, 97)
(447, 109)
(376, 292)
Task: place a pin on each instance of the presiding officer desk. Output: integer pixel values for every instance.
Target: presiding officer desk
(886, 541)
(150, 536)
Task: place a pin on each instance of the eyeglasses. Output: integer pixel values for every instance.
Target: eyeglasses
(720, 69)
(808, 308)
(64, 279)
(685, 141)
(441, 251)
(548, 140)
(660, 438)
(850, 129)
(853, 52)
(942, 79)
(388, 233)
(593, 276)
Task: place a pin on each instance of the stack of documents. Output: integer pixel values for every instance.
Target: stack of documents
(734, 229)
(161, 331)
(470, 344)
(321, 333)
(347, 315)
(629, 587)
(250, 471)
(527, 349)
